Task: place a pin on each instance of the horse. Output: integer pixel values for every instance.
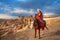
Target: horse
(37, 27)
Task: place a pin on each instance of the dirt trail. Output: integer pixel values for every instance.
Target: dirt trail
(52, 34)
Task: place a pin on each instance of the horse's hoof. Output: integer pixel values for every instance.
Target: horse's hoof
(34, 37)
(39, 37)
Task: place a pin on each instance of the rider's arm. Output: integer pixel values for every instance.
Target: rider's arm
(40, 19)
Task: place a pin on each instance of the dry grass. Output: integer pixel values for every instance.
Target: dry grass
(53, 21)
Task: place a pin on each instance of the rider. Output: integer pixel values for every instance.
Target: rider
(39, 18)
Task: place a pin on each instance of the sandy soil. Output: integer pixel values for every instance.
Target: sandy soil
(51, 34)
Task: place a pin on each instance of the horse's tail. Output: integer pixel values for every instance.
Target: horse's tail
(44, 23)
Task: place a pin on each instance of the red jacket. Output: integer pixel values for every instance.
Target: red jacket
(39, 17)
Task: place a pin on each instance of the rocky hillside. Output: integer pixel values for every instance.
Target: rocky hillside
(12, 25)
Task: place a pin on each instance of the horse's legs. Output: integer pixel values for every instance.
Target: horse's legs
(35, 32)
(39, 33)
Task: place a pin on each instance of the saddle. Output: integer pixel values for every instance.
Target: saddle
(39, 25)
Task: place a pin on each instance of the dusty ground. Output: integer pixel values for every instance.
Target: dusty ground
(52, 34)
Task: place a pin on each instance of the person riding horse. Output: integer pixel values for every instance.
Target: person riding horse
(39, 23)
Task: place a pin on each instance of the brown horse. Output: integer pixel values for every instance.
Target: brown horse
(37, 27)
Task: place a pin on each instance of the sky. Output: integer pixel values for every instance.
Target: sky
(13, 8)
